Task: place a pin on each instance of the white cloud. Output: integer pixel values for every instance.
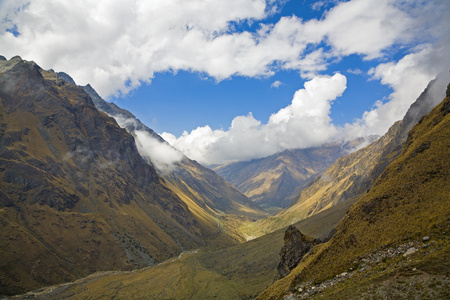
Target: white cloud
(356, 71)
(408, 77)
(303, 123)
(276, 84)
(318, 5)
(366, 27)
(116, 45)
(162, 155)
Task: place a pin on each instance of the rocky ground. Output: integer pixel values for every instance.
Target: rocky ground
(379, 264)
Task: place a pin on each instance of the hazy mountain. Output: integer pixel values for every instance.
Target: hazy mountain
(394, 242)
(75, 194)
(353, 175)
(275, 181)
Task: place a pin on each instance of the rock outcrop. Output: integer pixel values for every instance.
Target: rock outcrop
(296, 246)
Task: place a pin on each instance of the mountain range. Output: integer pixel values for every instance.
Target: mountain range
(351, 176)
(206, 193)
(83, 198)
(274, 182)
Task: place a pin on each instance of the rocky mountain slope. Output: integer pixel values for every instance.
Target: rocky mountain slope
(75, 194)
(275, 181)
(394, 242)
(352, 175)
(199, 183)
(207, 194)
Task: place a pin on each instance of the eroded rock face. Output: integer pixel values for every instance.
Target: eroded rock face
(296, 245)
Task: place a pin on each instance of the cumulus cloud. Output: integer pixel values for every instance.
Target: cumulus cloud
(356, 71)
(409, 75)
(303, 123)
(318, 5)
(142, 38)
(366, 27)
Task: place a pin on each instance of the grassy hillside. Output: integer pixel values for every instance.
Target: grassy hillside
(395, 240)
(354, 174)
(239, 272)
(211, 191)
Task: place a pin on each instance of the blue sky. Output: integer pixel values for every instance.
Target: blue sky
(182, 101)
(234, 80)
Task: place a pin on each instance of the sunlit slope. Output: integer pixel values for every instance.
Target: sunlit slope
(275, 181)
(208, 190)
(354, 174)
(75, 195)
(212, 191)
(407, 208)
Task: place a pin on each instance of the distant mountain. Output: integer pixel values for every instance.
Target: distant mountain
(394, 242)
(76, 196)
(275, 181)
(353, 175)
(204, 187)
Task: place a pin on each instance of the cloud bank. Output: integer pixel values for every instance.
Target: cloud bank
(117, 45)
(141, 38)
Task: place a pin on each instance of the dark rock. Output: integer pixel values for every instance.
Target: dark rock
(296, 245)
(424, 146)
(66, 78)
